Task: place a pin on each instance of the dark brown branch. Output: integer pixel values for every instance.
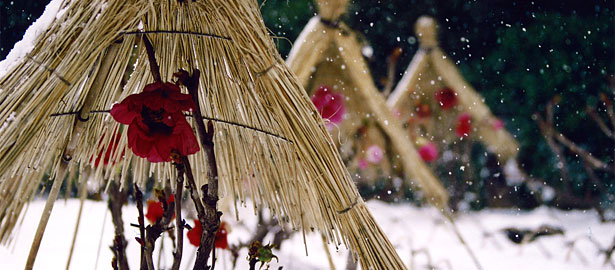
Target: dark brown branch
(141, 239)
(587, 156)
(117, 199)
(179, 222)
(557, 150)
(210, 216)
(151, 56)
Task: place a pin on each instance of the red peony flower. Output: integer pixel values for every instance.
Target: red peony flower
(157, 125)
(329, 104)
(155, 210)
(464, 125)
(110, 150)
(221, 241)
(194, 235)
(428, 152)
(446, 97)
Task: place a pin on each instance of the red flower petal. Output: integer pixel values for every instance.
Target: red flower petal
(428, 152)
(194, 235)
(464, 125)
(122, 113)
(157, 126)
(154, 211)
(221, 240)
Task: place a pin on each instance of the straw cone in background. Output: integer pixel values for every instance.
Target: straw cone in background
(432, 70)
(327, 52)
(278, 146)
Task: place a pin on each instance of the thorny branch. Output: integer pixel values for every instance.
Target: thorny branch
(207, 211)
(141, 220)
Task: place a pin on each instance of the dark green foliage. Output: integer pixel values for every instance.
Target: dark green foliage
(15, 17)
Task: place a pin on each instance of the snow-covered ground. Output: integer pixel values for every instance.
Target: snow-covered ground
(409, 228)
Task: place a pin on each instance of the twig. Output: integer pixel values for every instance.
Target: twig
(448, 215)
(83, 192)
(117, 199)
(179, 222)
(141, 239)
(601, 124)
(102, 232)
(210, 216)
(559, 153)
(151, 56)
(608, 253)
(153, 232)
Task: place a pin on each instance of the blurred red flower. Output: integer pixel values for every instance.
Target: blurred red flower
(329, 104)
(194, 235)
(428, 152)
(155, 210)
(464, 125)
(221, 240)
(447, 98)
(157, 125)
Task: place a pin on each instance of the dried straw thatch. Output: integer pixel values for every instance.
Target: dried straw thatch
(432, 69)
(328, 52)
(270, 142)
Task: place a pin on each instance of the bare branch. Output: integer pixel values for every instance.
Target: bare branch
(601, 124)
(139, 199)
(557, 150)
(179, 222)
(151, 56)
(117, 199)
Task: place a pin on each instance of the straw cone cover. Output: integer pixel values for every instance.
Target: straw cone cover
(270, 142)
(430, 72)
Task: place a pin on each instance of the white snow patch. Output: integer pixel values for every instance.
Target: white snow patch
(409, 228)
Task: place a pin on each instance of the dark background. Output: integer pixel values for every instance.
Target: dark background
(517, 54)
